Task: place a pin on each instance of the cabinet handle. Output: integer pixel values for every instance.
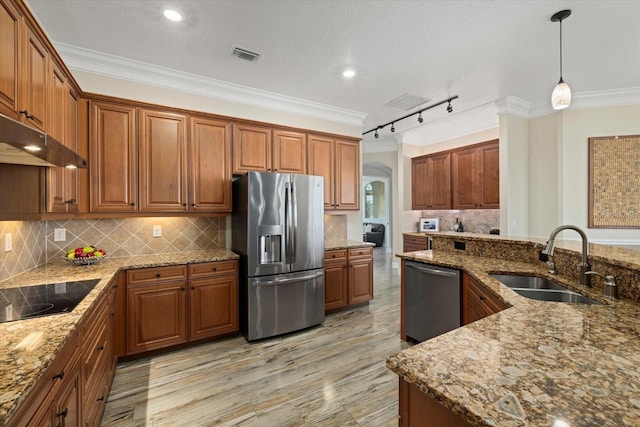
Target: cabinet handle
(100, 399)
(333, 256)
(157, 275)
(70, 202)
(193, 288)
(193, 205)
(215, 269)
(64, 413)
(132, 204)
(184, 204)
(27, 115)
(182, 289)
(100, 348)
(482, 298)
(112, 314)
(58, 376)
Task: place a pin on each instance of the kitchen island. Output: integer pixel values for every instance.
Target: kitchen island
(29, 346)
(534, 363)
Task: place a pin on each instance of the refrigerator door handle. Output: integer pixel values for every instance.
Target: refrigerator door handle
(284, 281)
(288, 217)
(294, 223)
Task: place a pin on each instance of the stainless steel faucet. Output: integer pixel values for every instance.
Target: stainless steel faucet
(583, 267)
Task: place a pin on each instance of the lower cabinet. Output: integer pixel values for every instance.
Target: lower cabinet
(348, 277)
(477, 301)
(414, 243)
(56, 398)
(418, 409)
(174, 305)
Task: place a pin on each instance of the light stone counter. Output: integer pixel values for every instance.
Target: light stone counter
(346, 244)
(535, 362)
(29, 346)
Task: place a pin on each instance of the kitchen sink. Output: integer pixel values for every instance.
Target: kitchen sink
(542, 289)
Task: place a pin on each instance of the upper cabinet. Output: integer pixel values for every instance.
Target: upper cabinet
(463, 178)
(9, 58)
(264, 149)
(431, 182)
(113, 153)
(476, 179)
(33, 104)
(210, 160)
(338, 161)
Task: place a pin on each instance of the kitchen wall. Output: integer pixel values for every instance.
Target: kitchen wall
(473, 220)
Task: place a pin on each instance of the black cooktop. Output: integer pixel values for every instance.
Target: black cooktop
(27, 302)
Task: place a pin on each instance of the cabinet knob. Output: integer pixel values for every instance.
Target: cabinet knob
(157, 275)
(112, 314)
(193, 205)
(482, 298)
(132, 204)
(184, 204)
(215, 268)
(193, 288)
(182, 289)
(59, 376)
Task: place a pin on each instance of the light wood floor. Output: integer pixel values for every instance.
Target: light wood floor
(330, 375)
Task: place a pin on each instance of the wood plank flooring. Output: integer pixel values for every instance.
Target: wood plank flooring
(330, 375)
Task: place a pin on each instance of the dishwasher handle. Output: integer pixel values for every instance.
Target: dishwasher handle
(432, 271)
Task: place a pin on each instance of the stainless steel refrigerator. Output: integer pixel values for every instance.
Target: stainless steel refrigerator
(278, 231)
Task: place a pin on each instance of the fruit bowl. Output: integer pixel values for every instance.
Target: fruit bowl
(85, 255)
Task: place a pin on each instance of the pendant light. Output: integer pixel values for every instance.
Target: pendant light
(561, 96)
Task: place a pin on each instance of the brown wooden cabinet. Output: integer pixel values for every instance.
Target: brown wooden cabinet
(414, 243)
(163, 161)
(213, 297)
(289, 152)
(173, 305)
(338, 161)
(348, 277)
(10, 70)
(113, 152)
(56, 397)
(476, 181)
(251, 148)
(35, 77)
(210, 165)
(156, 308)
(431, 181)
(477, 301)
(419, 410)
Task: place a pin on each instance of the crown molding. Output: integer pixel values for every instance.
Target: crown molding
(379, 147)
(91, 61)
(514, 105)
(592, 99)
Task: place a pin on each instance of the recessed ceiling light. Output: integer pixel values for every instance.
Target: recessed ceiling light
(348, 73)
(172, 15)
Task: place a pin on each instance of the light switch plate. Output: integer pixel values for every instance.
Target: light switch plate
(157, 231)
(59, 234)
(8, 242)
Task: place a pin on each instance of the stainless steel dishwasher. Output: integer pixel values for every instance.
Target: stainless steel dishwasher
(431, 300)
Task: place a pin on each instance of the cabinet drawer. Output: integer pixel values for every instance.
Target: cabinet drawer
(152, 275)
(94, 356)
(360, 252)
(481, 300)
(213, 268)
(337, 254)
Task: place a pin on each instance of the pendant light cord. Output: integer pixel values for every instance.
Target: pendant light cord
(561, 50)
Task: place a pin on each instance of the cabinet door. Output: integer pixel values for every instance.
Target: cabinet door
(465, 183)
(156, 316)
(163, 162)
(9, 58)
(113, 150)
(419, 184)
(440, 181)
(67, 406)
(335, 284)
(214, 306)
(56, 125)
(71, 136)
(251, 149)
(210, 155)
(35, 76)
(347, 175)
(289, 152)
(360, 280)
(489, 171)
(321, 162)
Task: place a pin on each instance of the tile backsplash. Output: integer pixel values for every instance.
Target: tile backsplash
(474, 220)
(28, 247)
(335, 227)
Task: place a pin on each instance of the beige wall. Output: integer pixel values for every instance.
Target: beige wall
(94, 83)
(461, 141)
(514, 175)
(390, 160)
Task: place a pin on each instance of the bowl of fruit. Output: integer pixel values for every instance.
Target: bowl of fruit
(85, 255)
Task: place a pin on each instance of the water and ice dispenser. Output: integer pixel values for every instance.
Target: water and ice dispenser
(270, 244)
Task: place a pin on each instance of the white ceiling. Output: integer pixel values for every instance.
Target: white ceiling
(482, 51)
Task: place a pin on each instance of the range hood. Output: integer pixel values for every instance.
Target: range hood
(23, 145)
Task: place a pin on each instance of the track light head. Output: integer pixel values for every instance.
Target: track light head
(420, 119)
(449, 108)
(376, 134)
(393, 128)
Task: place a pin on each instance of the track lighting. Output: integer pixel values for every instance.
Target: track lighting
(561, 95)
(419, 113)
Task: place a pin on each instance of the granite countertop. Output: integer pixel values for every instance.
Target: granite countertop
(28, 346)
(346, 244)
(535, 362)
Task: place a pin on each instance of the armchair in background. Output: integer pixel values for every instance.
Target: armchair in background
(373, 233)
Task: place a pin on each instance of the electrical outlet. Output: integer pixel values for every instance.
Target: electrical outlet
(8, 312)
(59, 234)
(8, 244)
(157, 231)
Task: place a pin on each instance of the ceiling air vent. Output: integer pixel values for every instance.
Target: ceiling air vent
(245, 54)
(406, 102)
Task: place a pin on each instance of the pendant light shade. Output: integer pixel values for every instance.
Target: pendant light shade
(561, 95)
